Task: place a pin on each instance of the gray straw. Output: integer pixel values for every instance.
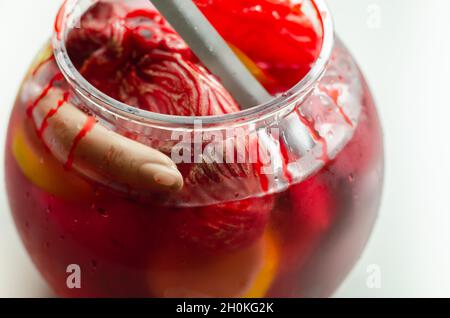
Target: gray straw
(213, 51)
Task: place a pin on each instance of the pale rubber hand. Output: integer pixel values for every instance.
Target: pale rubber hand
(103, 155)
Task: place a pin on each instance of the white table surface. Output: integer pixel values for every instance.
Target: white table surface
(403, 47)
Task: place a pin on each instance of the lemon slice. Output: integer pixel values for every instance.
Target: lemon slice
(269, 269)
(46, 172)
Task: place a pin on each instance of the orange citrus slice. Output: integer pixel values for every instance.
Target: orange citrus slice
(269, 269)
(45, 171)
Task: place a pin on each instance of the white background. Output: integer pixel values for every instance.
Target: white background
(403, 47)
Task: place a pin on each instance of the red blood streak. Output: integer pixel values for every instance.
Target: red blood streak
(264, 181)
(47, 60)
(45, 91)
(334, 95)
(59, 20)
(285, 154)
(315, 136)
(88, 125)
(53, 112)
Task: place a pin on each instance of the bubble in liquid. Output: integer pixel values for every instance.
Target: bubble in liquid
(103, 212)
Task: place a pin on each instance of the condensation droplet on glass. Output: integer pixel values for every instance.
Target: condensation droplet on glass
(351, 178)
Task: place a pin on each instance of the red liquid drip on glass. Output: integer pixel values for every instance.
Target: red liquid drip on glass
(334, 95)
(59, 20)
(46, 90)
(52, 113)
(285, 155)
(264, 181)
(344, 115)
(316, 136)
(89, 124)
(38, 68)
